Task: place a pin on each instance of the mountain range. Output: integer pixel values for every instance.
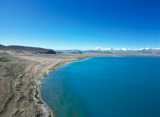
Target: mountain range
(117, 50)
(122, 49)
(35, 50)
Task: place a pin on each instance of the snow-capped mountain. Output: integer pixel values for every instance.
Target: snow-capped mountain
(101, 49)
(121, 49)
(116, 50)
(125, 50)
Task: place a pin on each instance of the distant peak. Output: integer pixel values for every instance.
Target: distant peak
(121, 49)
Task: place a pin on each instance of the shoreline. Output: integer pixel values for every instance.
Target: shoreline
(49, 112)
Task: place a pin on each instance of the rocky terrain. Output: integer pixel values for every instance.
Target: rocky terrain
(17, 87)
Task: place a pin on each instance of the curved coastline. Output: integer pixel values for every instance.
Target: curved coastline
(51, 112)
(58, 110)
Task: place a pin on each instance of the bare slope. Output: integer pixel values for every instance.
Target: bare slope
(23, 49)
(17, 87)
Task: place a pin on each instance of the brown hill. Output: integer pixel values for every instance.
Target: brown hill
(24, 49)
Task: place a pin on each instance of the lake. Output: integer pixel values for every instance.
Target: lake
(105, 87)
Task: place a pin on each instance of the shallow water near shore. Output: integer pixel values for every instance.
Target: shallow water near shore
(105, 87)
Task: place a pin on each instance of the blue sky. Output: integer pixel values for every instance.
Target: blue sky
(80, 24)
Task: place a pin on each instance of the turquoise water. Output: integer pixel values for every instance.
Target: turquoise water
(105, 87)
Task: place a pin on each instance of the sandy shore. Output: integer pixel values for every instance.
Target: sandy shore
(20, 82)
(45, 107)
(48, 112)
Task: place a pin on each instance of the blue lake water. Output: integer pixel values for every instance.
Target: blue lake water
(105, 87)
